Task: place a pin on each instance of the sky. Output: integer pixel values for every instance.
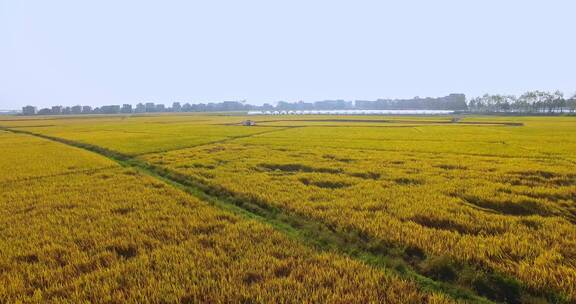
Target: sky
(102, 52)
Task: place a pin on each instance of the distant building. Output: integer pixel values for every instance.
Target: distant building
(57, 110)
(160, 108)
(450, 102)
(150, 107)
(112, 109)
(76, 110)
(29, 110)
(332, 105)
(140, 108)
(44, 111)
(126, 108)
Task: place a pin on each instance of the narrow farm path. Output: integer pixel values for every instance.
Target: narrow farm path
(306, 231)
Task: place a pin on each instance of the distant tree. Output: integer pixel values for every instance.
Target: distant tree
(500, 102)
(531, 99)
(509, 101)
(558, 101)
(489, 102)
(481, 104)
(545, 101)
(571, 104)
(522, 103)
(474, 104)
(186, 108)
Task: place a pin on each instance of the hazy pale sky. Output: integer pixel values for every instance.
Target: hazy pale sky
(127, 51)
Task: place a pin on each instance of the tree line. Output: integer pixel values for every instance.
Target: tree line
(529, 102)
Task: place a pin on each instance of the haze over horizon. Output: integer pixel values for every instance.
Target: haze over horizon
(110, 52)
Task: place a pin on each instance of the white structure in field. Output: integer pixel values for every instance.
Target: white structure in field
(353, 112)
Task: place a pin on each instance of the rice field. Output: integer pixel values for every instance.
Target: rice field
(197, 208)
(115, 235)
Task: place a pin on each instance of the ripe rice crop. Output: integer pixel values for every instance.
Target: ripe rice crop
(25, 157)
(118, 236)
(137, 135)
(506, 206)
(484, 204)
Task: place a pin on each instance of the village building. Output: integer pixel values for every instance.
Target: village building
(29, 110)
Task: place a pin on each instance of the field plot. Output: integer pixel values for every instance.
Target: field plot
(28, 157)
(498, 198)
(138, 134)
(116, 236)
(478, 205)
(533, 139)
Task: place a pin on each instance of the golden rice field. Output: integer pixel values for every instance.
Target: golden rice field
(113, 235)
(197, 208)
